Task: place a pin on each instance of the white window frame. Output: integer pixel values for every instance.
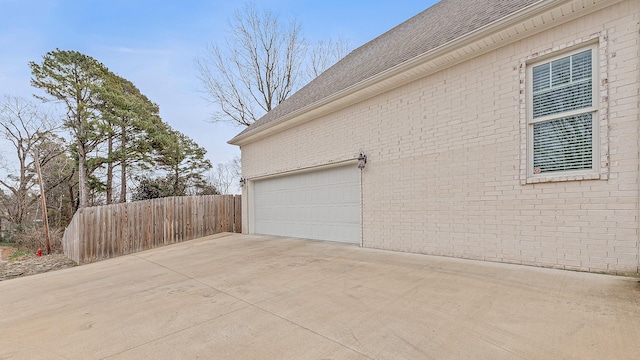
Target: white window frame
(599, 108)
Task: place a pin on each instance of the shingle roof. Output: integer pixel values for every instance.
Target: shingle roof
(441, 23)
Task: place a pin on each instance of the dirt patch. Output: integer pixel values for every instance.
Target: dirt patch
(5, 252)
(30, 264)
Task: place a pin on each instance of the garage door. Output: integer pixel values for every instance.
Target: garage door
(322, 205)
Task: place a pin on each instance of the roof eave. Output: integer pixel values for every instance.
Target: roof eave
(528, 20)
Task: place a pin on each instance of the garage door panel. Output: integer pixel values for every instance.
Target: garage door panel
(322, 204)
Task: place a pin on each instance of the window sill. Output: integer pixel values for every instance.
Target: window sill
(566, 177)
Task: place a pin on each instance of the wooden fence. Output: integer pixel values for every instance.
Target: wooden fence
(102, 232)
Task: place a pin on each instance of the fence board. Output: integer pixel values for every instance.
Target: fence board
(107, 231)
(123, 221)
(237, 218)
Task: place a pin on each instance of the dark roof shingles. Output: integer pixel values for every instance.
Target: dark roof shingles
(441, 23)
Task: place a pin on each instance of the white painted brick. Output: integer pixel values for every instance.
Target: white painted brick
(444, 167)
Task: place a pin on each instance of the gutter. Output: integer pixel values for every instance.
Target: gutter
(327, 165)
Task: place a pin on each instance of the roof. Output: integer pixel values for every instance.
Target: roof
(440, 24)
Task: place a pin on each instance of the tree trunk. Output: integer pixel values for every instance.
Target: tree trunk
(176, 184)
(83, 177)
(73, 203)
(123, 167)
(45, 217)
(109, 169)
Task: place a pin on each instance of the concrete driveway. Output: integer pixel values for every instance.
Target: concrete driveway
(234, 296)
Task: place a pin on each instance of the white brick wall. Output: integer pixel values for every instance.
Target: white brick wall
(444, 152)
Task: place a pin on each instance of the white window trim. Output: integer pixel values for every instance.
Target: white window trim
(598, 43)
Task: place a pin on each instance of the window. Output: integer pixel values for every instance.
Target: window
(562, 115)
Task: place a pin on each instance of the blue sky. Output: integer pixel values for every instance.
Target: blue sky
(154, 44)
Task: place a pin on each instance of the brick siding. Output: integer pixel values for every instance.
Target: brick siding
(444, 169)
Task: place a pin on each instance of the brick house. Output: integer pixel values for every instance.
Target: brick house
(495, 130)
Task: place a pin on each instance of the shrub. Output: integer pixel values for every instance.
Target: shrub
(33, 238)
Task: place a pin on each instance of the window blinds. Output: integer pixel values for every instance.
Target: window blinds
(563, 144)
(566, 142)
(562, 85)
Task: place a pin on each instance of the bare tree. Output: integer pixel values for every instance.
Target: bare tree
(225, 176)
(27, 129)
(259, 65)
(61, 181)
(256, 69)
(324, 54)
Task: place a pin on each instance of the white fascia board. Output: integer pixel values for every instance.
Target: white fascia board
(525, 22)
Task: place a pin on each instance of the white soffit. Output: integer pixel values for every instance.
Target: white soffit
(526, 22)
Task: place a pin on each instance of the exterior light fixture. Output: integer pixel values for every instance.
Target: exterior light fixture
(243, 181)
(362, 160)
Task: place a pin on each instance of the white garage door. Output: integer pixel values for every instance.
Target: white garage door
(322, 204)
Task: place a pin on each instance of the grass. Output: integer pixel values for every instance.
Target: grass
(8, 244)
(19, 253)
